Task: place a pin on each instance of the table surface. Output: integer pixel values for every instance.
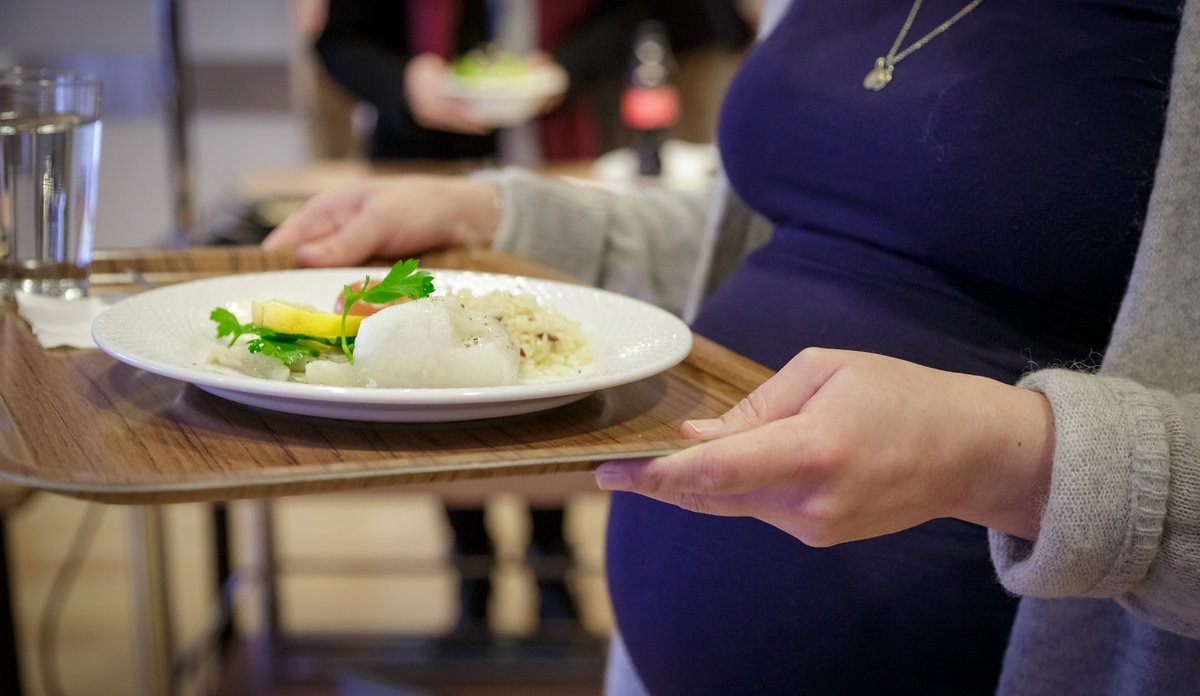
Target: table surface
(82, 424)
(299, 183)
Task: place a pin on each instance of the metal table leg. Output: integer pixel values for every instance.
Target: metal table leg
(174, 74)
(223, 576)
(152, 621)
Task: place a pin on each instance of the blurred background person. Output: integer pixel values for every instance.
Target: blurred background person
(855, 202)
(395, 56)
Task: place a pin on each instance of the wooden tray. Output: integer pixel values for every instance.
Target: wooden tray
(80, 423)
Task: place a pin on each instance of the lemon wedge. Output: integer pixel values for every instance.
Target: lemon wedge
(292, 318)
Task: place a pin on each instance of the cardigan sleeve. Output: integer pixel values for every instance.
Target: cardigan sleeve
(668, 247)
(1122, 519)
(1123, 515)
(641, 243)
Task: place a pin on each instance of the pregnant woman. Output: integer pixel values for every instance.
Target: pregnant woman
(959, 185)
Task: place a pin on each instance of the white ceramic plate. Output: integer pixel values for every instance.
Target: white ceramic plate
(167, 331)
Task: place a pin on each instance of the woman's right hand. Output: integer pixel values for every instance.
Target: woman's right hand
(844, 445)
(389, 218)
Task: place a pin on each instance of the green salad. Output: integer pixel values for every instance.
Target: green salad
(490, 62)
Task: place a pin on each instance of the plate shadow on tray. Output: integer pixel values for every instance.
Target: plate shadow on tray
(611, 411)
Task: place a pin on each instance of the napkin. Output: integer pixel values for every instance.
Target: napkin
(58, 322)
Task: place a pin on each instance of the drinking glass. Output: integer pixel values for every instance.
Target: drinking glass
(49, 161)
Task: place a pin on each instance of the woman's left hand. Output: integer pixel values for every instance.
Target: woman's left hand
(842, 445)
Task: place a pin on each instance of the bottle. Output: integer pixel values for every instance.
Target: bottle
(650, 102)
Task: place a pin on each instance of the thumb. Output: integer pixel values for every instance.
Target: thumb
(783, 395)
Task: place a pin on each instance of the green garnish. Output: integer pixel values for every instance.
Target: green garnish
(404, 280)
(287, 348)
(288, 353)
(228, 324)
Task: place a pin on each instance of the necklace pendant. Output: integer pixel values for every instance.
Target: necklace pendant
(879, 76)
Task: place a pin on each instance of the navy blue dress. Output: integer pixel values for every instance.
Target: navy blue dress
(979, 214)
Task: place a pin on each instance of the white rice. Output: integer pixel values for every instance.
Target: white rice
(552, 346)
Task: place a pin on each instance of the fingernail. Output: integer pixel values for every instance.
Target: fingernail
(611, 478)
(704, 426)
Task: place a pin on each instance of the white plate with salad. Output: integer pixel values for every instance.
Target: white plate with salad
(173, 332)
(501, 89)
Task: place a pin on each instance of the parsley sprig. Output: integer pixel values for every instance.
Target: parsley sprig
(404, 280)
(286, 348)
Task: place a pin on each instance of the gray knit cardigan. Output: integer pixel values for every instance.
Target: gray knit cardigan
(1111, 588)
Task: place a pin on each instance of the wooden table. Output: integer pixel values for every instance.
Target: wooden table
(81, 424)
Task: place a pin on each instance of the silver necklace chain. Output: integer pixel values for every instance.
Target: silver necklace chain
(881, 74)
